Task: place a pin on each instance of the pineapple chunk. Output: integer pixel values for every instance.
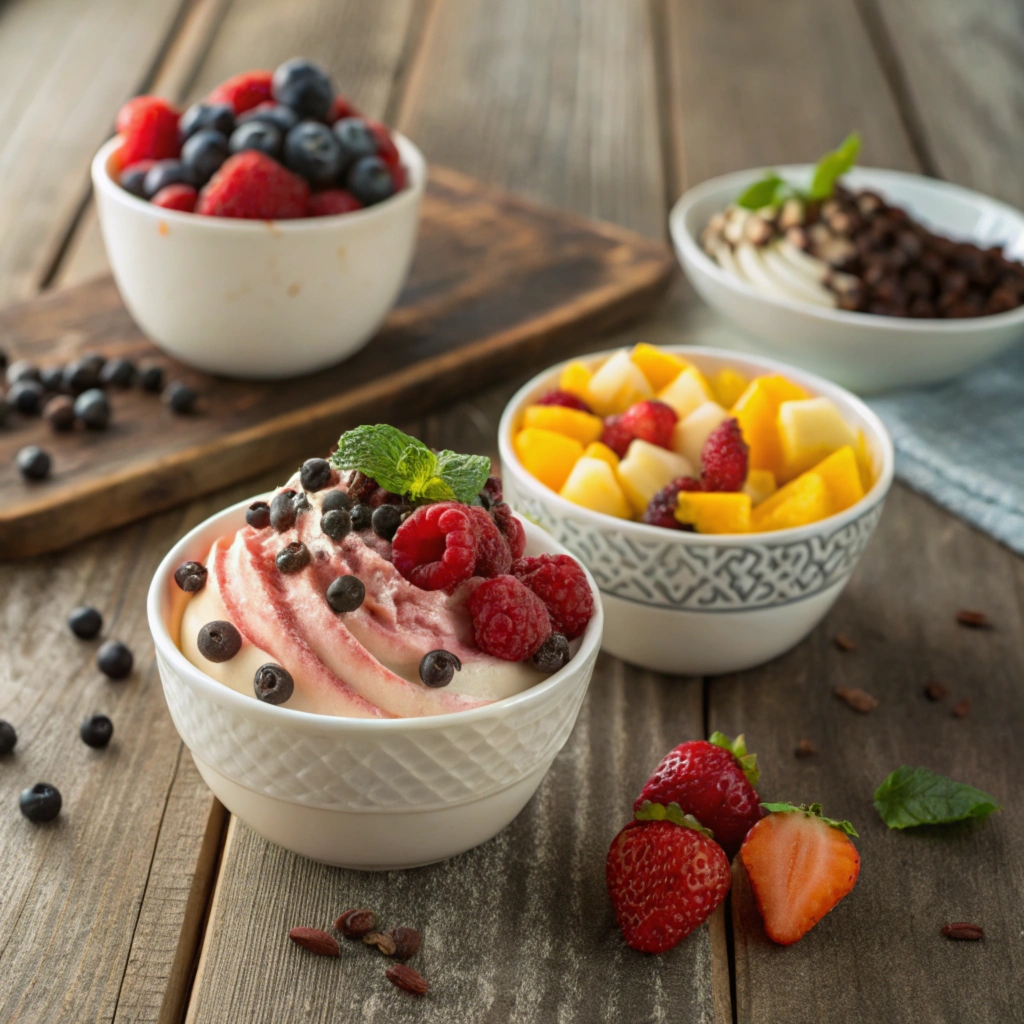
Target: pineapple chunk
(690, 433)
(802, 501)
(865, 462)
(717, 512)
(617, 385)
(658, 366)
(592, 484)
(596, 450)
(810, 430)
(646, 469)
(727, 385)
(760, 485)
(757, 411)
(550, 457)
(574, 379)
(842, 478)
(571, 422)
(688, 391)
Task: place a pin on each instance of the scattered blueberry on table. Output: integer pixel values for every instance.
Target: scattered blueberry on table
(40, 802)
(114, 659)
(85, 622)
(8, 737)
(96, 731)
(33, 462)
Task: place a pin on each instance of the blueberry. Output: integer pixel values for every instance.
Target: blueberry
(552, 655)
(33, 462)
(26, 397)
(191, 576)
(312, 151)
(355, 138)
(337, 523)
(59, 412)
(118, 373)
(151, 377)
(22, 370)
(335, 500)
(168, 172)
(8, 737)
(314, 474)
(5, 410)
(293, 558)
(346, 594)
(273, 684)
(85, 622)
(94, 361)
(282, 511)
(3, 360)
(219, 116)
(92, 407)
(362, 516)
(114, 659)
(133, 179)
(219, 641)
(40, 803)
(80, 375)
(180, 397)
(438, 668)
(257, 515)
(370, 181)
(305, 87)
(204, 153)
(52, 377)
(259, 135)
(386, 520)
(283, 118)
(96, 731)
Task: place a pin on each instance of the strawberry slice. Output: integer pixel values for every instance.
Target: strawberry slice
(800, 866)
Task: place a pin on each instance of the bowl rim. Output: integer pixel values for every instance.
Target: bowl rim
(690, 251)
(103, 181)
(601, 520)
(308, 721)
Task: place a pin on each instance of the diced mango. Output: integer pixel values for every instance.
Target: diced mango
(571, 422)
(617, 385)
(596, 450)
(802, 501)
(865, 462)
(781, 389)
(760, 485)
(684, 394)
(810, 429)
(550, 457)
(646, 469)
(658, 366)
(717, 512)
(756, 410)
(842, 478)
(574, 379)
(727, 385)
(690, 433)
(592, 484)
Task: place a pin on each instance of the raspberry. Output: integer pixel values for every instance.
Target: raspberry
(509, 620)
(493, 555)
(332, 201)
(651, 421)
(244, 91)
(341, 107)
(436, 547)
(564, 398)
(386, 148)
(148, 126)
(511, 529)
(493, 489)
(252, 185)
(616, 436)
(724, 458)
(661, 509)
(562, 585)
(176, 197)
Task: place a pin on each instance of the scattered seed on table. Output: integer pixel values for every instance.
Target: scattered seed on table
(936, 690)
(963, 709)
(354, 924)
(856, 698)
(315, 940)
(805, 748)
(964, 931)
(404, 977)
(973, 619)
(843, 642)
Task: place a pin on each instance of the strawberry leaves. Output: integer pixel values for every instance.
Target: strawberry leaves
(649, 811)
(738, 749)
(811, 810)
(916, 796)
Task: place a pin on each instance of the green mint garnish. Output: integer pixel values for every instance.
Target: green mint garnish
(649, 811)
(738, 749)
(916, 796)
(815, 811)
(404, 465)
(769, 191)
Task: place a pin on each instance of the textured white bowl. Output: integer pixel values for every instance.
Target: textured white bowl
(358, 793)
(698, 604)
(861, 351)
(259, 299)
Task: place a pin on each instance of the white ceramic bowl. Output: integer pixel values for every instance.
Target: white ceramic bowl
(861, 351)
(259, 299)
(358, 793)
(693, 604)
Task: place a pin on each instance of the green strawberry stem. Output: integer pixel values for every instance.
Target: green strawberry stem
(649, 811)
(812, 811)
(738, 749)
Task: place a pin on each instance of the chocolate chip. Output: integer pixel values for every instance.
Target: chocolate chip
(273, 684)
(219, 641)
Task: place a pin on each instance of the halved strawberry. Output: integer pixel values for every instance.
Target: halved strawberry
(800, 865)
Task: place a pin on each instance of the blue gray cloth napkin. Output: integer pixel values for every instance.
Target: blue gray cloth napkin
(962, 444)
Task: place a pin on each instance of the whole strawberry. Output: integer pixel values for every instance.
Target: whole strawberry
(665, 877)
(714, 781)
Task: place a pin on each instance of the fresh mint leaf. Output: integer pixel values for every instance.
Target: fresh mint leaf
(464, 474)
(916, 796)
(832, 166)
(766, 192)
(814, 810)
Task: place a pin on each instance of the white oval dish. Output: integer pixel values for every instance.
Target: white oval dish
(364, 793)
(698, 604)
(259, 299)
(861, 351)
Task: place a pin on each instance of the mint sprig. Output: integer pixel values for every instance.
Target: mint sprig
(813, 810)
(916, 796)
(405, 465)
(738, 749)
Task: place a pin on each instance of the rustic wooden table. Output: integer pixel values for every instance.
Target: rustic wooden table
(144, 903)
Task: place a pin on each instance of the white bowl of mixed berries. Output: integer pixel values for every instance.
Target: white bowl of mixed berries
(265, 232)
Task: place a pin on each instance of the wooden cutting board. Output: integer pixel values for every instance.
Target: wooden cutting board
(498, 285)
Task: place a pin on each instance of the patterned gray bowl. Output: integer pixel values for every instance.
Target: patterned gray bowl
(687, 603)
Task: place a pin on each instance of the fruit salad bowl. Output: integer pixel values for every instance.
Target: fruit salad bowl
(693, 603)
(370, 794)
(259, 299)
